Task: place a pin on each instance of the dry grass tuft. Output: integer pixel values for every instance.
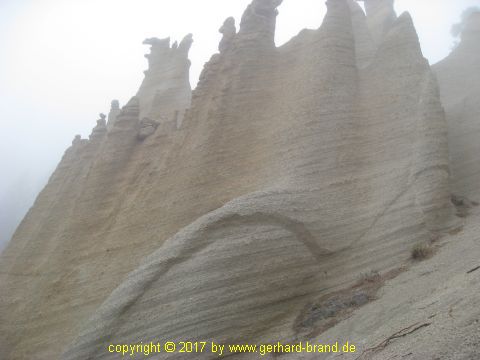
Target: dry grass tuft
(422, 251)
(372, 276)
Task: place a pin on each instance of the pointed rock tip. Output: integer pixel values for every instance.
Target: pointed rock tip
(228, 30)
(186, 42)
(228, 23)
(402, 40)
(405, 21)
(187, 38)
(260, 17)
(77, 139)
(165, 42)
(355, 7)
(405, 17)
(265, 7)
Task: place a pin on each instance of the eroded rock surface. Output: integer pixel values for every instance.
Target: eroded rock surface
(165, 91)
(112, 115)
(293, 170)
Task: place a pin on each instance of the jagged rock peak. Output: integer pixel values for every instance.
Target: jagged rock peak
(259, 19)
(77, 140)
(160, 49)
(228, 30)
(115, 105)
(380, 17)
(401, 44)
(166, 87)
(114, 112)
(355, 7)
(185, 45)
(101, 128)
(294, 150)
(265, 8)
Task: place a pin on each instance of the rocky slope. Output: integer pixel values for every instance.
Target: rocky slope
(224, 213)
(431, 311)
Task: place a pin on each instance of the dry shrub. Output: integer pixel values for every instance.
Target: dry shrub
(372, 276)
(421, 251)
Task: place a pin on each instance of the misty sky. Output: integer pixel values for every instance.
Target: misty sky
(63, 61)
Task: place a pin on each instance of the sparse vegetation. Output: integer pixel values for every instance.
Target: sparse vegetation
(372, 276)
(463, 205)
(422, 251)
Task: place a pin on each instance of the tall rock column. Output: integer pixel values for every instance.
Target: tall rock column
(112, 115)
(165, 92)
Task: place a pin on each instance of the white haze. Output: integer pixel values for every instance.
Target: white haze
(62, 62)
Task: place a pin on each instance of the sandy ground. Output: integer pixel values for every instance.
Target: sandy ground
(430, 311)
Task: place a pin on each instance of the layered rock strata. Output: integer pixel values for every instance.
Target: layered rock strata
(293, 170)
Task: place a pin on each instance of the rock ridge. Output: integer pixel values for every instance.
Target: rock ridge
(287, 172)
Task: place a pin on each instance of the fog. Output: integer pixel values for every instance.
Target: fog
(62, 62)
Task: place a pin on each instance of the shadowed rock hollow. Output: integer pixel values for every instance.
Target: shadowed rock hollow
(219, 214)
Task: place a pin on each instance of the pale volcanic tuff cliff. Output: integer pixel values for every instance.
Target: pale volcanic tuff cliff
(221, 214)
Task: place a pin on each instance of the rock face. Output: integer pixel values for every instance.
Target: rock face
(100, 130)
(165, 91)
(459, 79)
(293, 170)
(112, 115)
(380, 17)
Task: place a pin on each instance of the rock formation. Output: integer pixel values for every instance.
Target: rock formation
(100, 130)
(147, 128)
(380, 17)
(165, 91)
(112, 115)
(459, 79)
(228, 30)
(221, 214)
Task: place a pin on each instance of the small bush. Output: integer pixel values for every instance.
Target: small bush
(370, 277)
(421, 251)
